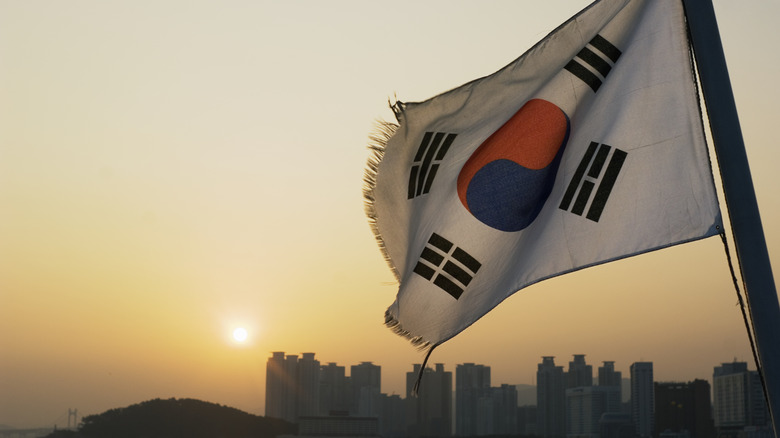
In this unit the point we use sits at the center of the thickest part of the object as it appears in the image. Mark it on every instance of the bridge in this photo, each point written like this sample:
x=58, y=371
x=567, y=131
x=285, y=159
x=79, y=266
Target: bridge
x=42, y=431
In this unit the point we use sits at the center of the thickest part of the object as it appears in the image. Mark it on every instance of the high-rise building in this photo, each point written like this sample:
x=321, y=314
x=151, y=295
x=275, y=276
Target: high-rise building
x=499, y=410
x=366, y=381
x=333, y=389
x=277, y=387
x=616, y=425
x=642, y=399
x=579, y=373
x=681, y=407
x=292, y=386
x=472, y=382
x=526, y=420
x=308, y=381
x=550, y=399
x=608, y=376
x=585, y=405
x=393, y=418
x=429, y=412
x=738, y=398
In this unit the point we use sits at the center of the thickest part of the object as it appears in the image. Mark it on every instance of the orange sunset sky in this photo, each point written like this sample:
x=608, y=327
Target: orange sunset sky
x=170, y=171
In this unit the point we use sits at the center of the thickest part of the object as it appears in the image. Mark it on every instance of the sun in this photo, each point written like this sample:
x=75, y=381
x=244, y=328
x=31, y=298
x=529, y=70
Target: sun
x=240, y=334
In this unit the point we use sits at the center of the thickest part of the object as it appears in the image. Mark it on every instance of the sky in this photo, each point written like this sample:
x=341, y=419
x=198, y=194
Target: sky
x=170, y=171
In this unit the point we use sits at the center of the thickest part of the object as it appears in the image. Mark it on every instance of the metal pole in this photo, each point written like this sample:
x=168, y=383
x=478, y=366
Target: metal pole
x=740, y=195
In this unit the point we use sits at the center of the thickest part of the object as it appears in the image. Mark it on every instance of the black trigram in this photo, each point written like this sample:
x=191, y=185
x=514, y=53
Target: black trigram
x=593, y=162
x=597, y=54
x=432, y=150
x=448, y=266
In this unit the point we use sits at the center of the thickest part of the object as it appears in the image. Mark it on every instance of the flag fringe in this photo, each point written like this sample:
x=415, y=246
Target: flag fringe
x=377, y=141
x=417, y=341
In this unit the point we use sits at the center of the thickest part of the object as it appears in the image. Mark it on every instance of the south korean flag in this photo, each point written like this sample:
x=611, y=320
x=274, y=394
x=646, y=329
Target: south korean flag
x=586, y=149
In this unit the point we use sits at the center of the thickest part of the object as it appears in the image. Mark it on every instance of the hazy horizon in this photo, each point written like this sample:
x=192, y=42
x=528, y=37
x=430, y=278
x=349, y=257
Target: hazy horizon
x=172, y=171
x=523, y=398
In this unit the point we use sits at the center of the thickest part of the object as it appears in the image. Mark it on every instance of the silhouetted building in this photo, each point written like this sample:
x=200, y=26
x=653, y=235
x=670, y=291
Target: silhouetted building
x=275, y=385
x=681, y=407
x=642, y=400
x=738, y=398
x=550, y=399
x=393, y=417
x=280, y=387
x=429, y=413
x=579, y=373
x=366, y=380
x=497, y=412
x=333, y=389
x=584, y=407
x=608, y=376
x=526, y=420
x=308, y=380
x=292, y=386
x=291, y=380
x=472, y=382
x=616, y=425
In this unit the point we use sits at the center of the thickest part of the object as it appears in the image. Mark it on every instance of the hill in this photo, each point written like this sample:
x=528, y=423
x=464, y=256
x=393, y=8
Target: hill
x=174, y=418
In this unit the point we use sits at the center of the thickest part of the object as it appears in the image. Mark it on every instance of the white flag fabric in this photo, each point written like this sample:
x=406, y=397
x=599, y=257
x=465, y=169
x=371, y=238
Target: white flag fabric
x=586, y=149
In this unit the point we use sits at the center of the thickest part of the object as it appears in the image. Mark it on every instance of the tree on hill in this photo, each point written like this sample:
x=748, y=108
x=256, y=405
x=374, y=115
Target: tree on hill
x=175, y=418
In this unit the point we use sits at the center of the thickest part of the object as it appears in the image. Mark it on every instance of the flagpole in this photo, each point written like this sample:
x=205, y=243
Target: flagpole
x=739, y=193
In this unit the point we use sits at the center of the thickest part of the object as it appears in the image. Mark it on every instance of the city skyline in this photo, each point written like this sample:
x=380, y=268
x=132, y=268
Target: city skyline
x=571, y=401
x=599, y=378
x=604, y=373
x=171, y=172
